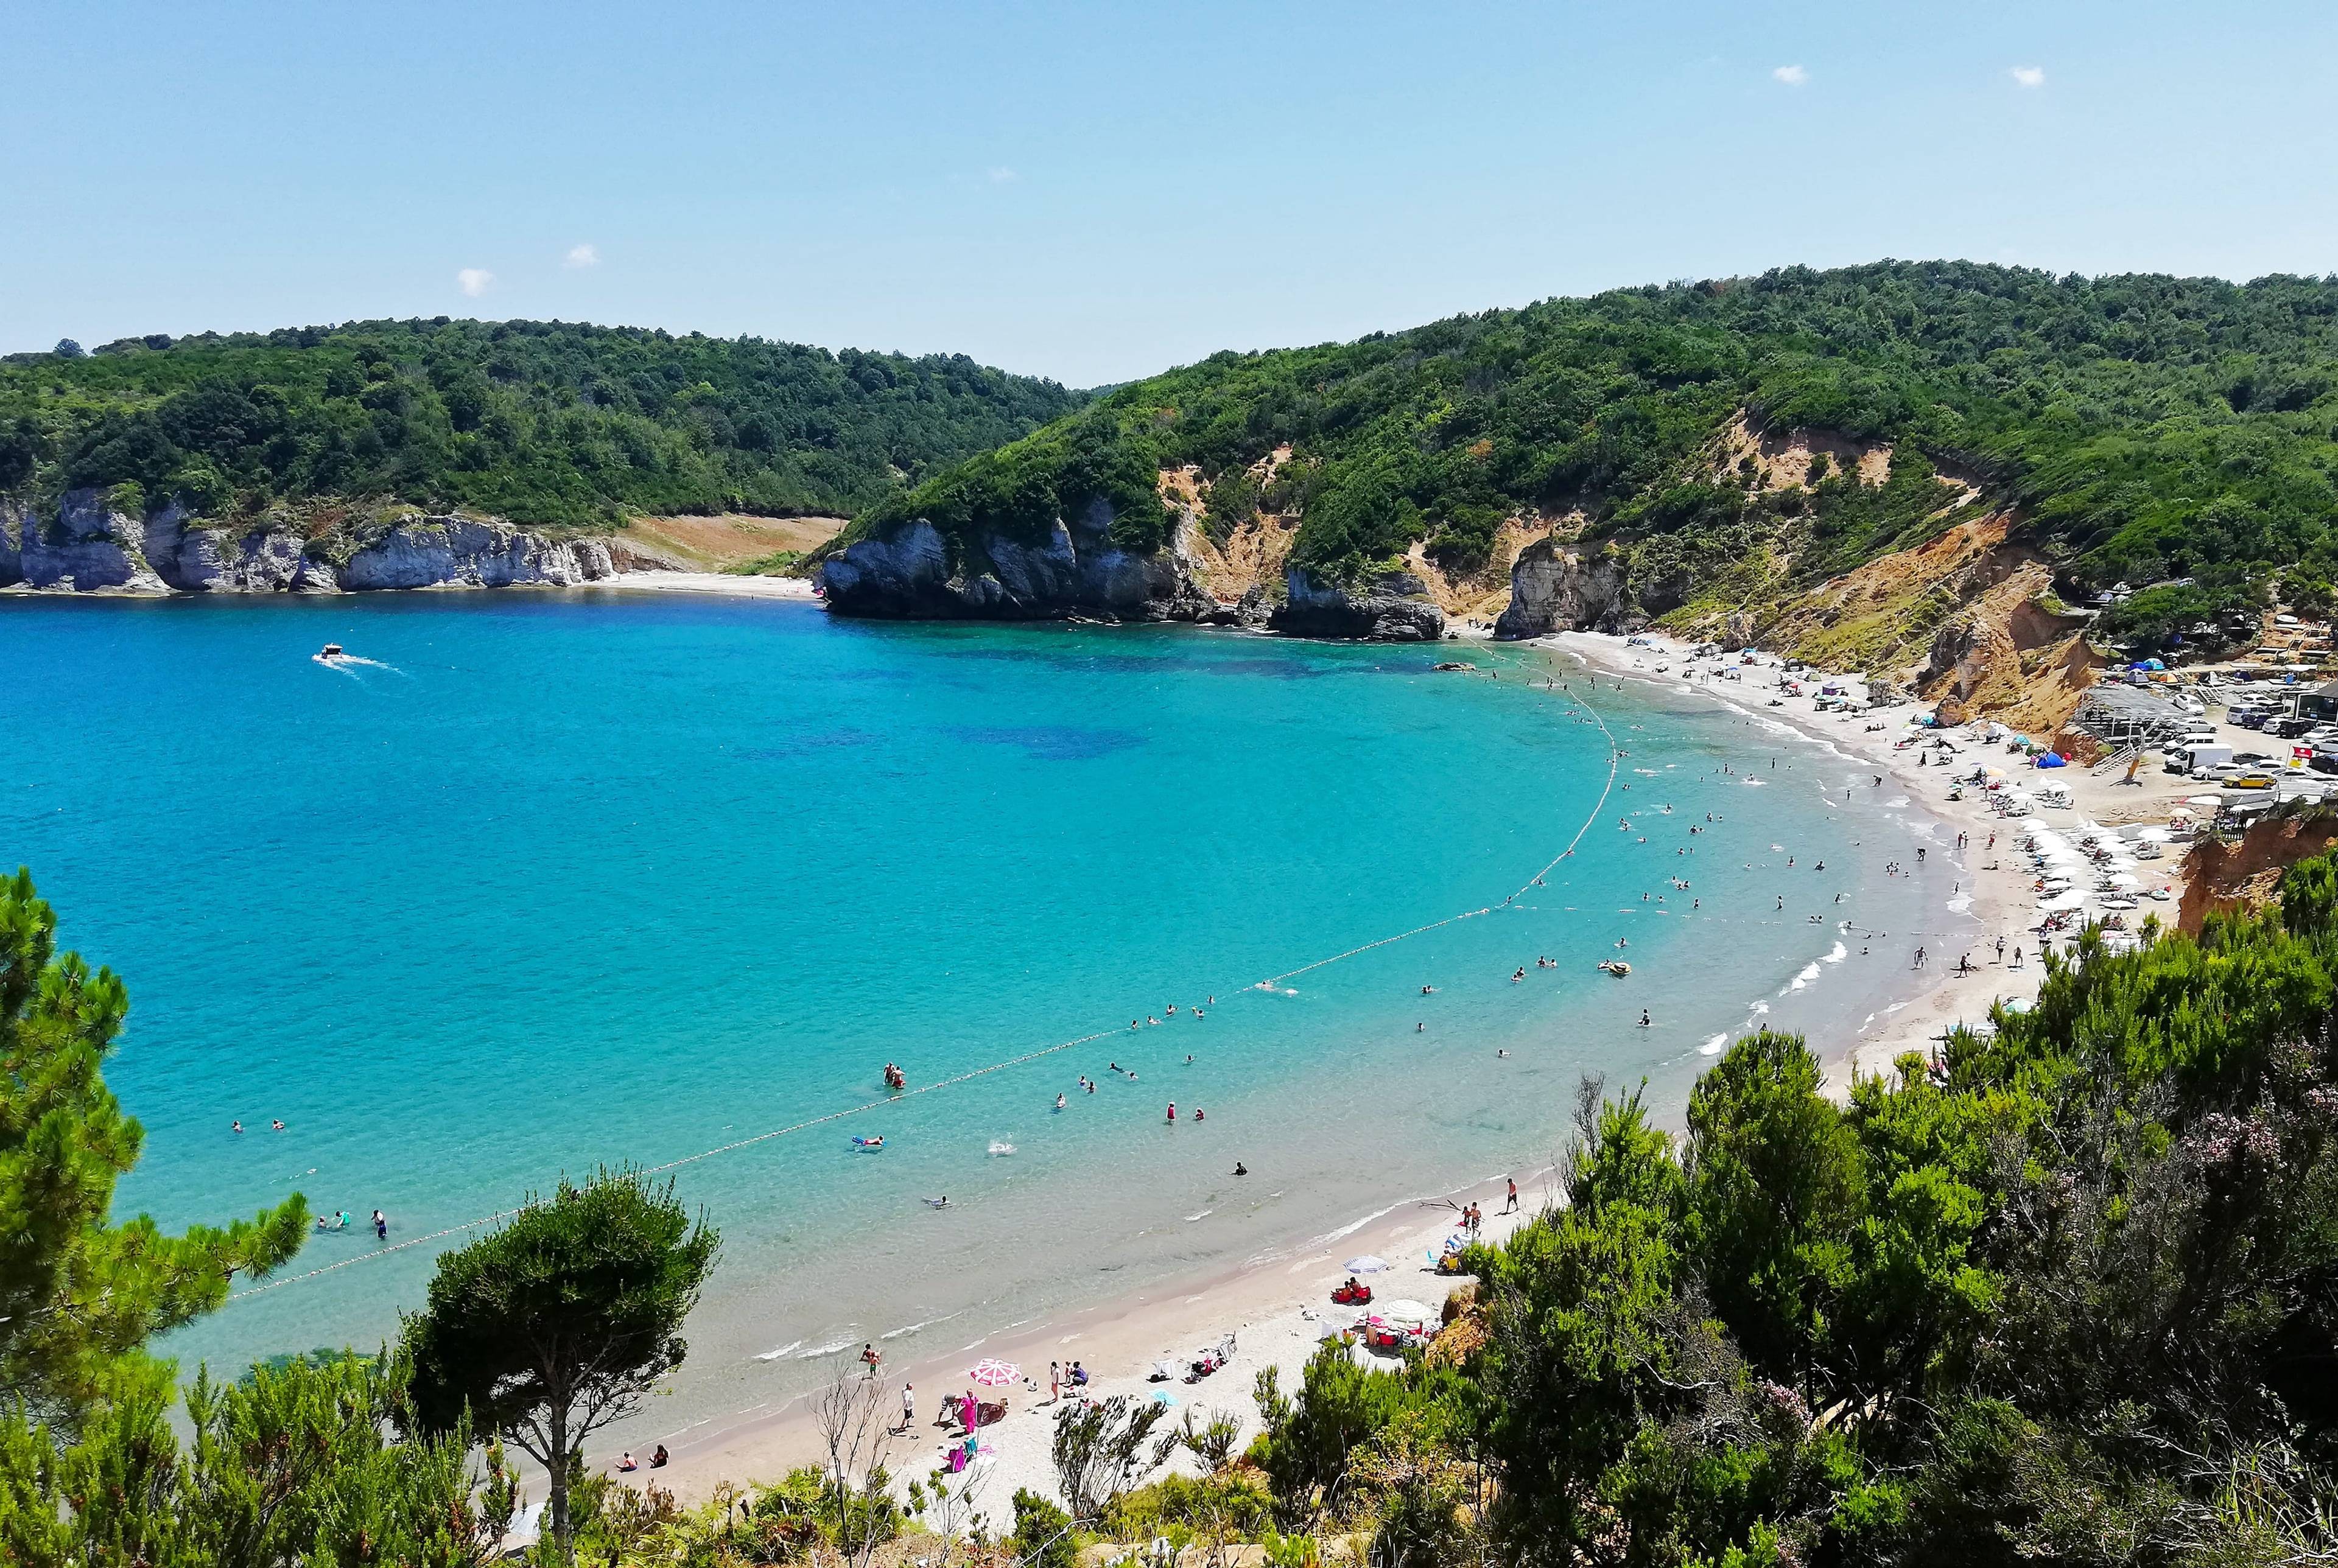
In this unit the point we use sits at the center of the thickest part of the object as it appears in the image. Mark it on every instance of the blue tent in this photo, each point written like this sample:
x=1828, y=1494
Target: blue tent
x=2052, y=759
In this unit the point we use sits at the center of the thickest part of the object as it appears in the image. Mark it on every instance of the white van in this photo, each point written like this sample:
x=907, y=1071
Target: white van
x=2198, y=759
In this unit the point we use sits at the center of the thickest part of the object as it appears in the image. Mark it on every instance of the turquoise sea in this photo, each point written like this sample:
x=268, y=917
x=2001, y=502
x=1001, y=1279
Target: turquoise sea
x=560, y=879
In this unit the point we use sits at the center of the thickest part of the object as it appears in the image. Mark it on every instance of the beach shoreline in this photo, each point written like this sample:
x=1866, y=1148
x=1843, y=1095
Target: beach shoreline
x=733, y=584
x=1277, y=1305
x=2004, y=900
x=1276, y=1308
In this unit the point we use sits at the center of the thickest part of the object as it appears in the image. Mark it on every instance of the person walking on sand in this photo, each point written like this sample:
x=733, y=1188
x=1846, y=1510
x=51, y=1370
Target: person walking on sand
x=1054, y=1381
x=1510, y=1204
x=908, y=1407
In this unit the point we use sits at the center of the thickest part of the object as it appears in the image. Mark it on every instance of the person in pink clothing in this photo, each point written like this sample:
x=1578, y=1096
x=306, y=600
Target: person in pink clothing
x=1173, y=1110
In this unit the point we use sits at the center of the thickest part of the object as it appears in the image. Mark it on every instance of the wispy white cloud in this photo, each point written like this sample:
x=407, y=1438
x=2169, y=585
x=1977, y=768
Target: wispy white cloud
x=586, y=255
x=1791, y=75
x=2031, y=75
x=1000, y=175
x=475, y=281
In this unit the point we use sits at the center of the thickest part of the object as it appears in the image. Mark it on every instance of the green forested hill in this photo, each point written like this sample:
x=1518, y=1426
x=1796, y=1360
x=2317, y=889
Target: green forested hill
x=540, y=421
x=2150, y=427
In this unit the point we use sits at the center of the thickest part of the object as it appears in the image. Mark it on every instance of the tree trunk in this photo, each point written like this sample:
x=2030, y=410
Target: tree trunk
x=555, y=1501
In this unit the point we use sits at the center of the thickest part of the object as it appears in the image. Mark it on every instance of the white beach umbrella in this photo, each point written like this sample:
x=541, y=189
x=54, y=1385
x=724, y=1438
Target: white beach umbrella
x=992, y=1373
x=1405, y=1311
x=1365, y=1264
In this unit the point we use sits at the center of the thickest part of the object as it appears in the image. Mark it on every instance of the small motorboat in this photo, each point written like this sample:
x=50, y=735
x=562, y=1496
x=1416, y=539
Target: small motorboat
x=331, y=651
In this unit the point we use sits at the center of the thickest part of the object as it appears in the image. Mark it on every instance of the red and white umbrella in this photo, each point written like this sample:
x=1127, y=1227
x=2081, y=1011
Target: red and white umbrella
x=992, y=1373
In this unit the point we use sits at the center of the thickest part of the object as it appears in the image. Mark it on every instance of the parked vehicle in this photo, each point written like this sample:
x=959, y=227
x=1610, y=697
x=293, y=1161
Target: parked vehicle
x=2198, y=760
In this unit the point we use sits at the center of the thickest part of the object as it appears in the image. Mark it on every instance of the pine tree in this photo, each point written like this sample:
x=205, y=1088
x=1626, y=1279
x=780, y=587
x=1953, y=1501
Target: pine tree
x=79, y=1295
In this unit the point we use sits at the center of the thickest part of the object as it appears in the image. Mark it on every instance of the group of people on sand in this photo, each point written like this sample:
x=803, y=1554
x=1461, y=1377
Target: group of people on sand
x=627, y=1464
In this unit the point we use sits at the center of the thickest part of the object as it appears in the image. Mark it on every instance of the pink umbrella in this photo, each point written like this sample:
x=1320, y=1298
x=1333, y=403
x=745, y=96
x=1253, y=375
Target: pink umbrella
x=992, y=1373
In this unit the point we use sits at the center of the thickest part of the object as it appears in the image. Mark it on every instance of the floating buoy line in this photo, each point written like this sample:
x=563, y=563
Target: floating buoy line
x=895, y=1098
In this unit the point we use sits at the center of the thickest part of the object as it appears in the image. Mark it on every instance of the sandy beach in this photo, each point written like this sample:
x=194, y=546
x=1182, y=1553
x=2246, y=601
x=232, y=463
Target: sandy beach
x=1999, y=889
x=1277, y=1310
x=735, y=584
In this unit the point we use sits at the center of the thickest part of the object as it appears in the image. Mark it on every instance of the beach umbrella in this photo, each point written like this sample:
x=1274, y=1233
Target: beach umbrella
x=992, y=1373
x=1405, y=1312
x=1365, y=1264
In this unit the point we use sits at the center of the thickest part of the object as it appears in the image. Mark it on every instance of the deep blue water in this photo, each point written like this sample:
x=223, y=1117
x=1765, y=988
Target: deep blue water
x=564, y=879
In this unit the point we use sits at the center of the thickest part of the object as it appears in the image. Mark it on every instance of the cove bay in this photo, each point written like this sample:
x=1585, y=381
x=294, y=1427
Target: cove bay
x=557, y=880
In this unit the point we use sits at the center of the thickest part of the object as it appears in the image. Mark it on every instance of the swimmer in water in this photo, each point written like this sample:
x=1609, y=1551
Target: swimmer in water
x=1240, y=1168
x=235, y=1126
x=1644, y=1019
x=1428, y=990
x=1519, y=975
x=1059, y=1101
x=1501, y=1056
x=940, y=1202
x=274, y=1125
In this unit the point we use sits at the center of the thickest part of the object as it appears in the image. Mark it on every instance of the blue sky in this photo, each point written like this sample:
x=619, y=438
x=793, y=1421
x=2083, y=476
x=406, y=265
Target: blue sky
x=1097, y=191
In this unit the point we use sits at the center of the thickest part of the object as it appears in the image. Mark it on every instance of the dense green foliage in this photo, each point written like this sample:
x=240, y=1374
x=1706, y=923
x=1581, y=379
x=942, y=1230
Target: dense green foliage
x=2069, y=1294
x=2152, y=427
x=79, y=1294
x=296, y=1467
x=540, y=422
x=560, y=1320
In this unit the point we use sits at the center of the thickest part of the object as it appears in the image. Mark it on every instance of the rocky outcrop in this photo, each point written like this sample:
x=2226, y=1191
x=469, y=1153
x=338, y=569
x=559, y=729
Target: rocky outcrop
x=1558, y=587
x=1390, y=609
x=472, y=552
x=86, y=547
x=89, y=547
x=1075, y=571
x=2243, y=872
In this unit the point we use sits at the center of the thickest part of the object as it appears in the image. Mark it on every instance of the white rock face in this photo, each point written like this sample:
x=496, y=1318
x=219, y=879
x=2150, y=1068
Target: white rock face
x=466, y=552
x=1075, y=570
x=89, y=548
x=86, y=547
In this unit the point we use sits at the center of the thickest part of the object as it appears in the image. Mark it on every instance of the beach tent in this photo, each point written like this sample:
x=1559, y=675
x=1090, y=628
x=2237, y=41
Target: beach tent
x=2053, y=759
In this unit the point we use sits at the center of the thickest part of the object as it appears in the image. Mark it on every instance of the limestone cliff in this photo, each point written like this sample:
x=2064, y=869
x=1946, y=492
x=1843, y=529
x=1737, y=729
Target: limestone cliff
x=1393, y=608
x=87, y=546
x=1076, y=571
x=1558, y=587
